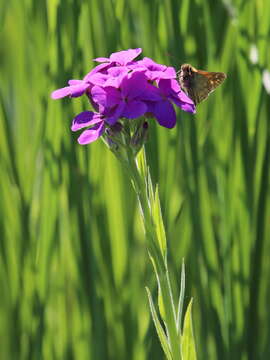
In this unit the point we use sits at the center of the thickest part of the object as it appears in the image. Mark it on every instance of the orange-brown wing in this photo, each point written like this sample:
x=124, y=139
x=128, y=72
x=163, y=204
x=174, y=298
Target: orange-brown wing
x=193, y=94
x=204, y=83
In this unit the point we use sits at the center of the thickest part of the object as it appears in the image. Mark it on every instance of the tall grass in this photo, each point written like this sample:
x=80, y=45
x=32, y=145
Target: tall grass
x=73, y=263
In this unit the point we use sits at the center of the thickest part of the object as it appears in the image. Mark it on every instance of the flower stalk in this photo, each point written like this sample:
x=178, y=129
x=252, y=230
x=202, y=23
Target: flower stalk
x=143, y=187
x=174, y=342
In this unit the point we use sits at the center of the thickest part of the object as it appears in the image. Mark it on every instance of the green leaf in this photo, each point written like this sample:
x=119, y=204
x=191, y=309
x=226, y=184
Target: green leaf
x=161, y=303
x=160, y=299
x=150, y=189
x=161, y=334
x=188, y=341
x=157, y=215
x=181, y=299
x=141, y=162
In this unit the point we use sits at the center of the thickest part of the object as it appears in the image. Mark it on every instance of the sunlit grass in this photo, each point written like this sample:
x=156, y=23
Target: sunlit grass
x=73, y=265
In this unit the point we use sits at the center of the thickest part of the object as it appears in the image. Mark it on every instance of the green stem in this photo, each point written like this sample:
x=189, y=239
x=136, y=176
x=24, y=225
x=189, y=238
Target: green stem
x=160, y=263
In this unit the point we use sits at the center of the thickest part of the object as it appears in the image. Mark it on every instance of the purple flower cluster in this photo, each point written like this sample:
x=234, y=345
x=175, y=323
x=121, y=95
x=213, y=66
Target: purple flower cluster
x=121, y=87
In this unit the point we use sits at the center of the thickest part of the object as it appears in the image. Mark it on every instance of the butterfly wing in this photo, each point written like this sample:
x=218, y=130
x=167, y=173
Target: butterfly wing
x=204, y=83
x=193, y=94
x=198, y=84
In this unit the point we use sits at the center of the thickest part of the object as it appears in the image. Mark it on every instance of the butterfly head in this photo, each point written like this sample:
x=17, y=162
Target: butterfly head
x=187, y=75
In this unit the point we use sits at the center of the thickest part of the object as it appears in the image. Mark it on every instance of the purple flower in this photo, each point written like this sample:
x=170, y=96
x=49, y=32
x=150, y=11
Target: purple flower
x=163, y=110
x=128, y=100
x=121, y=57
x=122, y=89
x=85, y=119
x=76, y=88
x=153, y=70
x=96, y=122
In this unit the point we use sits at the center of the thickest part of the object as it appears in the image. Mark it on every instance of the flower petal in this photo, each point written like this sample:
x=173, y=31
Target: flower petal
x=99, y=95
x=169, y=73
x=78, y=90
x=105, y=96
x=101, y=59
x=114, y=114
x=74, y=82
x=117, y=71
x=166, y=86
x=152, y=65
x=134, y=109
x=98, y=79
x=73, y=91
x=172, y=90
x=156, y=71
x=113, y=96
x=188, y=107
x=85, y=118
x=125, y=56
x=151, y=93
x=184, y=102
x=90, y=135
x=155, y=75
x=60, y=93
x=134, y=84
x=175, y=86
x=164, y=112
x=117, y=74
x=184, y=98
x=101, y=68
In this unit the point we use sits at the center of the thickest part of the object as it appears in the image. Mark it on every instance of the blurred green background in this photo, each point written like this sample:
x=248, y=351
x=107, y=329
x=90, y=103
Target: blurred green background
x=73, y=262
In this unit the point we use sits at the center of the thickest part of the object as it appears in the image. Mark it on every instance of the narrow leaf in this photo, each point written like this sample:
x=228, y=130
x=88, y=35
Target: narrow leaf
x=150, y=189
x=161, y=235
x=161, y=304
x=188, y=341
x=160, y=299
x=161, y=334
x=181, y=298
x=141, y=162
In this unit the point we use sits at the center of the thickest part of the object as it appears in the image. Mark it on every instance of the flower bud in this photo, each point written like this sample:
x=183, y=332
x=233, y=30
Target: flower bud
x=112, y=136
x=139, y=137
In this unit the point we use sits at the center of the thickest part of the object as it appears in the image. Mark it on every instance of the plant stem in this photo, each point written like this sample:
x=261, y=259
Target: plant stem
x=159, y=260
